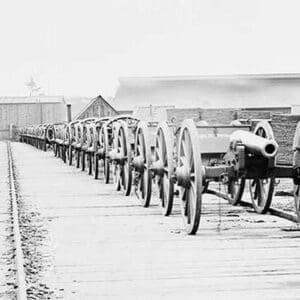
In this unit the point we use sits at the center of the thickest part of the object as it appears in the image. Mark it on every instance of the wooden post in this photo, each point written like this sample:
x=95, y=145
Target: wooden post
x=12, y=132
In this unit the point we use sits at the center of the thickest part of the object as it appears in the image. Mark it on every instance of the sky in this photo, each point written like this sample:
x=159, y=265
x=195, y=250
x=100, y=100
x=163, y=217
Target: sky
x=81, y=48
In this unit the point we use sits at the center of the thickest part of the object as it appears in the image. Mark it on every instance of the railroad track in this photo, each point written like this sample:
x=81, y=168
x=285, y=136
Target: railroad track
x=21, y=291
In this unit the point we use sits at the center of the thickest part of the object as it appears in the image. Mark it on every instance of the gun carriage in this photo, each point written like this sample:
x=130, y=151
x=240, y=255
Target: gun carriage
x=153, y=163
x=92, y=146
x=71, y=135
x=58, y=141
x=155, y=158
x=139, y=151
x=78, y=140
x=231, y=156
x=84, y=127
x=95, y=148
x=116, y=142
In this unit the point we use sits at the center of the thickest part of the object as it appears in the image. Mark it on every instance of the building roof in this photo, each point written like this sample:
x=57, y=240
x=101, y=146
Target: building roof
x=31, y=99
x=89, y=104
x=213, y=91
x=210, y=77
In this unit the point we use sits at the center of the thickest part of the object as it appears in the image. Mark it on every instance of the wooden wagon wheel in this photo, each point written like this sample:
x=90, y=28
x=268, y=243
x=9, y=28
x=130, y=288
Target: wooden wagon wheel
x=77, y=149
x=104, y=145
x=143, y=177
x=89, y=163
x=66, y=145
x=70, y=155
x=296, y=163
x=77, y=152
x=164, y=159
x=261, y=190
x=90, y=152
x=96, y=166
x=124, y=148
x=63, y=153
x=83, y=157
x=189, y=175
x=96, y=156
x=297, y=200
x=116, y=168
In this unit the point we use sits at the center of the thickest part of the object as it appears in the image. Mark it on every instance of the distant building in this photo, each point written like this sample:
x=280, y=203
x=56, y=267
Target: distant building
x=296, y=108
x=33, y=110
x=152, y=113
x=97, y=107
x=228, y=91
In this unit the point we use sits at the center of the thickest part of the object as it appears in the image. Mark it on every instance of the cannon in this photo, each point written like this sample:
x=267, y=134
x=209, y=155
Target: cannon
x=78, y=140
x=231, y=156
x=121, y=152
x=58, y=141
x=164, y=161
x=152, y=162
x=116, y=140
x=84, y=142
x=93, y=146
x=71, y=141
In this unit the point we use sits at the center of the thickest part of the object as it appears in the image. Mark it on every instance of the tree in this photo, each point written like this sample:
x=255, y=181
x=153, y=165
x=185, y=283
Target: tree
x=32, y=86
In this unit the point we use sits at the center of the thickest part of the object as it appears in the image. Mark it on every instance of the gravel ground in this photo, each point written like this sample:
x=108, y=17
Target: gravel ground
x=34, y=235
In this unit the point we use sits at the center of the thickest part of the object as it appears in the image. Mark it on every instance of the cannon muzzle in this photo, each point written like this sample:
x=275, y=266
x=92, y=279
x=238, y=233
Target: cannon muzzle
x=255, y=144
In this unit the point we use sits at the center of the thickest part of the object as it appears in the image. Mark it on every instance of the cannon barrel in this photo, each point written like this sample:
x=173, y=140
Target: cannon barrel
x=255, y=144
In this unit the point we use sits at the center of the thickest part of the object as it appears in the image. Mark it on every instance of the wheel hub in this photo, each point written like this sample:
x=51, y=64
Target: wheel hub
x=183, y=175
x=138, y=163
x=158, y=168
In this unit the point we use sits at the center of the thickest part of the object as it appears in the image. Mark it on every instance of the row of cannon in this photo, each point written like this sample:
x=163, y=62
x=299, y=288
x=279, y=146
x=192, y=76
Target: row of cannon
x=179, y=160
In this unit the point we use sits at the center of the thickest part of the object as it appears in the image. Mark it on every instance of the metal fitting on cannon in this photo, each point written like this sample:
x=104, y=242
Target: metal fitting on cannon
x=158, y=168
x=183, y=175
x=138, y=163
x=116, y=156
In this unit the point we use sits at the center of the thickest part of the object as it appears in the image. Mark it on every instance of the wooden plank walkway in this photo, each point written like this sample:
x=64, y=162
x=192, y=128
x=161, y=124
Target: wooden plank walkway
x=98, y=244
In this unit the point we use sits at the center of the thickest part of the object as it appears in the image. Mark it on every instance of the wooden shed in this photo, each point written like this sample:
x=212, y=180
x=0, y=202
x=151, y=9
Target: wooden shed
x=33, y=110
x=98, y=107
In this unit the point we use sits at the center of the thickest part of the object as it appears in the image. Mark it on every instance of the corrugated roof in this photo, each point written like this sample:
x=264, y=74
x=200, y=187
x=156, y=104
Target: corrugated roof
x=209, y=77
x=213, y=91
